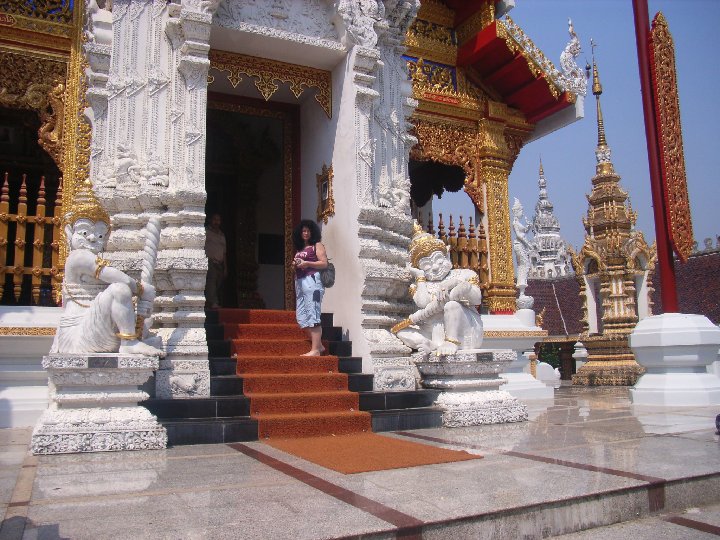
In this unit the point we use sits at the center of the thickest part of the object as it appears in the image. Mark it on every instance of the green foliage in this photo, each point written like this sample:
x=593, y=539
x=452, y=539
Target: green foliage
x=550, y=354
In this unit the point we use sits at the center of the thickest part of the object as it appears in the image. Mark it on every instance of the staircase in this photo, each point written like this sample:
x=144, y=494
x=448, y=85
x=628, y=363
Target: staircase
x=262, y=387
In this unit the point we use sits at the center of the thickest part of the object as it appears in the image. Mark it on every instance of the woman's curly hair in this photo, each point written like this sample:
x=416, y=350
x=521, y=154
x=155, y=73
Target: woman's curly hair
x=315, y=235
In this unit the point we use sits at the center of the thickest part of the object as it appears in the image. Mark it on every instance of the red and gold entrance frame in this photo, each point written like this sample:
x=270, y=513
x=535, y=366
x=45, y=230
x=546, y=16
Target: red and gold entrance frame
x=290, y=118
x=669, y=132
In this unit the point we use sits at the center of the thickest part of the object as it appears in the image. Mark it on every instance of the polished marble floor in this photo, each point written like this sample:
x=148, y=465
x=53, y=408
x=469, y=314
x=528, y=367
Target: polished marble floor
x=587, y=465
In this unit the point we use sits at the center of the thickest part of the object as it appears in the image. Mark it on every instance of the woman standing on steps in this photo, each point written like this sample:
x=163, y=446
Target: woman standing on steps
x=310, y=258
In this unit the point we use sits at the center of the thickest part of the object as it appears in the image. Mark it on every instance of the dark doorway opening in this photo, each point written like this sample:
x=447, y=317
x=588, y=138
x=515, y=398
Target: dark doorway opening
x=248, y=179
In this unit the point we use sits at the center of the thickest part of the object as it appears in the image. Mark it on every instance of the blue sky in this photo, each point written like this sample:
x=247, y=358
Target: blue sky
x=568, y=154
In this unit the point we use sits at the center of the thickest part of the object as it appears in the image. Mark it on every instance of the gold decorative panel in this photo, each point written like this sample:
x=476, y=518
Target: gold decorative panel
x=326, y=200
x=267, y=75
x=431, y=41
x=57, y=11
x=27, y=77
x=669, y=130
x=444, y=141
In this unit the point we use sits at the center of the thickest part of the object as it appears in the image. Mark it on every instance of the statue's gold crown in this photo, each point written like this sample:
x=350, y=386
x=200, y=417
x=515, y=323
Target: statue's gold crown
x=424, y=244
x=85, y=205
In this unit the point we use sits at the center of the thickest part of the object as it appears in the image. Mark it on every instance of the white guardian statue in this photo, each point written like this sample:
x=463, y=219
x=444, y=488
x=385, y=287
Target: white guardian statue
x=447, y=319
x=523, y=250
x=99, y=316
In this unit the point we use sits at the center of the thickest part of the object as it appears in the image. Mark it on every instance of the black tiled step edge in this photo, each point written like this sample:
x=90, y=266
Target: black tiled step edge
x=226, y=385
x=385, y=400
x=402, y=419
x=360, y=382
x=228, y=366
x=182, y=431
x=223, y=366
x=350, y=364
x=212, y=407
x=221, y=348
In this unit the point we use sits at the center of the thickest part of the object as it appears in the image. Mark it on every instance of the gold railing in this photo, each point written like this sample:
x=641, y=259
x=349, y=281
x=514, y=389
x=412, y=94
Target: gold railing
x=29, y=245
x=467, y=246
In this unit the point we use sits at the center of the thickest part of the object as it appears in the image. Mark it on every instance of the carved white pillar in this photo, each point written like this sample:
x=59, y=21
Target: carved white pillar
x=383, y=105
x=151, y=161
x=98, y=50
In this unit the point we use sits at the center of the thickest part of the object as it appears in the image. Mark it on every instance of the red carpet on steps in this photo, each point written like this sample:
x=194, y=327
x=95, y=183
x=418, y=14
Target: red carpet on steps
x=302, y=404
x=290, y=395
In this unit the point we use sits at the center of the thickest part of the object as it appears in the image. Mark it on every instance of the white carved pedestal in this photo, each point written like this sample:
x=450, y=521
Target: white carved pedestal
x=470, y=388
x=675, y=350
x=94, y=405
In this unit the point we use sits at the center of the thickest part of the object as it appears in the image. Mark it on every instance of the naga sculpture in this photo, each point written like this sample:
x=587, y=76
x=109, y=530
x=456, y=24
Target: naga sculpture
x=447, y=319
x=99, y=316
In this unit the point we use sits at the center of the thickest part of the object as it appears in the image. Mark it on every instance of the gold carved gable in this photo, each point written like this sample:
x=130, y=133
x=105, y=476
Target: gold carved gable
x=268, y=74
x=445, y=142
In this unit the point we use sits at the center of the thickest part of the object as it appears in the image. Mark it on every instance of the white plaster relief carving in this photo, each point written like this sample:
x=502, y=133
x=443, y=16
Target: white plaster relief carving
x=376, y=31
x=306, y=21
x=478, y=408
x=394, y=378
x=358, y=21
x=156, y=95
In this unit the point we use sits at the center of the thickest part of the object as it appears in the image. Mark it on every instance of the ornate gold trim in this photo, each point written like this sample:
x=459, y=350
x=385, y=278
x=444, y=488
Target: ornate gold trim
x=27, y=77
x=77, y=132
x=288, y=128
x=481, y=19
x=452, y=143
x=268, y=73
x=515, y=333
x=436, y=12
x=669, y=129
x=26, y=331
x=326, y=200
x=442, y=89
x=55, y=12
x=432, y=41
x=50, y=132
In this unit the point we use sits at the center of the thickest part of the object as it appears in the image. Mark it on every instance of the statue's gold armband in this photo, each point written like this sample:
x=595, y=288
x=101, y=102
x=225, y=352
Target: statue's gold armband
x=100, y=263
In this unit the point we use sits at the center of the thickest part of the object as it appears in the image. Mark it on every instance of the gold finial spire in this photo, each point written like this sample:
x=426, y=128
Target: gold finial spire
x=597, y=92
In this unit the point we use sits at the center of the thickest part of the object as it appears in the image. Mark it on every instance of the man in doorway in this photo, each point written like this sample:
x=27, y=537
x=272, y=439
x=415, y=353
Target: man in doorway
x=216, y=251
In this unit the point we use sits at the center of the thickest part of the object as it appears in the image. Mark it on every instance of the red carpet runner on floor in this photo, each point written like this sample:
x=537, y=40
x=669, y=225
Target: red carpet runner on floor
x=303, y=405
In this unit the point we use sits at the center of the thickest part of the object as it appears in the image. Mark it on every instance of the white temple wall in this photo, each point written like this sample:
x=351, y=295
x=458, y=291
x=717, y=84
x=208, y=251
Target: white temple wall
x=332, y=141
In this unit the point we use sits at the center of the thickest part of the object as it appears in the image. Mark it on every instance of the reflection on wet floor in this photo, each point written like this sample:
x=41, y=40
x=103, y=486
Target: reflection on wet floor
x=586, y=458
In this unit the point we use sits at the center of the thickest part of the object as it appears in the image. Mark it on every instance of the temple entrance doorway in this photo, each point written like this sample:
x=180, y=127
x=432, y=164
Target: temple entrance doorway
x=250, y=173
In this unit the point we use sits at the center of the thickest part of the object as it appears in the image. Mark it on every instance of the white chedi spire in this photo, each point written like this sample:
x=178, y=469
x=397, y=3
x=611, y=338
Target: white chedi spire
x=551, y=257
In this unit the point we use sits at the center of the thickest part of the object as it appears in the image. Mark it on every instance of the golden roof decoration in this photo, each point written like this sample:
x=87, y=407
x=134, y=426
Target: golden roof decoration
x=424, y=244
x=86, y=206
